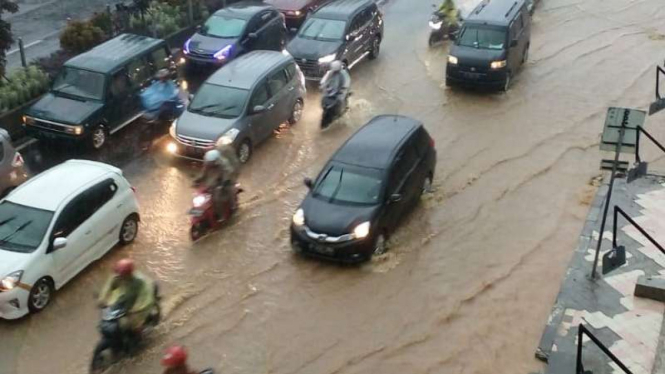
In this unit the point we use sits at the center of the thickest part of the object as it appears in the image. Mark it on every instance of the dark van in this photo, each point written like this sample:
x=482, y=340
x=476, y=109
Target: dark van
x=97, y=93
x=344, y=30
x=492, y=45
x=363, y=192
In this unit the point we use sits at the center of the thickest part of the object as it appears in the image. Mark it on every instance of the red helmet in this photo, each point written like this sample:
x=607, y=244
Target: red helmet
x=124, y=267
x=175, y=356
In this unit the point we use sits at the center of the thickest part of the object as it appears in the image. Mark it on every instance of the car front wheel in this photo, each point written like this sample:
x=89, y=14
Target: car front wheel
x=296, y=112
x=40, y=295
x=380, y=245
x=376, y=48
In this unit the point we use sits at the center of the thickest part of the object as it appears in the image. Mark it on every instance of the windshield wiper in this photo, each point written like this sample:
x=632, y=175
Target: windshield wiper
x=339, y=186
x=18, y=229
x=199, y=109
x=3, y=222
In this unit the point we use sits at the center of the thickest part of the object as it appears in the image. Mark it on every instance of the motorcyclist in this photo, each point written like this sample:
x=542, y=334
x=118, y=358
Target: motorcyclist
x=159, y=98
x=135, y=290
x=450, y=12
x=338, y=79
x=175, y=361
x=231, y=168
x=212, y=177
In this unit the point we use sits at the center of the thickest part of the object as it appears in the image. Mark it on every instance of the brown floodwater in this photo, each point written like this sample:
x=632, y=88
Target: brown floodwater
x=471, y=276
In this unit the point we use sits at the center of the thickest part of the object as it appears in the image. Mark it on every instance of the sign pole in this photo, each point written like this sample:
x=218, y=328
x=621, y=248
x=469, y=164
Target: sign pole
x=622, y=131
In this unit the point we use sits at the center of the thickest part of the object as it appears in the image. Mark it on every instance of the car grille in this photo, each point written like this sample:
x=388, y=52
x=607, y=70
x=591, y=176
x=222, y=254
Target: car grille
x=201, y=54
x=50, y=126
x=311, y=68
x=194, y=142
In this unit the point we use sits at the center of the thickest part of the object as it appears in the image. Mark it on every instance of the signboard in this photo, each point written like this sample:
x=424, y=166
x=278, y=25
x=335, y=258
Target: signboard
x=614, y=259
x=630, y=119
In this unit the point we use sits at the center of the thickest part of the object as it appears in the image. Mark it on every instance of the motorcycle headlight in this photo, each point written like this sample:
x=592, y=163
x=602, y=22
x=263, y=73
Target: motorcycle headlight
x=228, y=137
x=452, y=60
x=11, y=280
x=435, y=25
x=498, y=64
x=299, y=217
x=361, y=231
x=200, y=200
x=327, y=59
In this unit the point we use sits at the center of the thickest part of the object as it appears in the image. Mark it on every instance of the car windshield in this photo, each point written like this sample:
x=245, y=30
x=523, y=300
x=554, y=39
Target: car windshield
x=22, y=228
x=323, y=29
x=219, y=101
x=80, y=83
x=482, y=38
x=349, y=185
x=223, y=27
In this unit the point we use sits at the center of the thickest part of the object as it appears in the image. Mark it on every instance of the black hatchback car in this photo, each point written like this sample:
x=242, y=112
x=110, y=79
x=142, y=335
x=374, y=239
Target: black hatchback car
x=239, y=28
x=344, y=30
x=362, y=193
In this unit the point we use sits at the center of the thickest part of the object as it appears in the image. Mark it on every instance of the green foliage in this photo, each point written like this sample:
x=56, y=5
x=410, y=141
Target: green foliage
x=6, y=36
x=80, y=36
x=163, y=18
x=21, y=86
x=103, y=21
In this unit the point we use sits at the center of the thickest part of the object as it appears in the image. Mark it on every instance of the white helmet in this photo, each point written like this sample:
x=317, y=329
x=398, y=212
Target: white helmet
x=211, y=156
x=336, y=65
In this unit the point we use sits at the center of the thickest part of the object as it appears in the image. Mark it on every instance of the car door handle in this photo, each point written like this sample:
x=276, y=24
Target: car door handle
x=119, y=206
x=271, y=106
x=291, y=88
x=88, y=232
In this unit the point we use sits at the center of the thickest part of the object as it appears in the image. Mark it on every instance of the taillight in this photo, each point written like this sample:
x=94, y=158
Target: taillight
x=18, y=160
x=431, y=142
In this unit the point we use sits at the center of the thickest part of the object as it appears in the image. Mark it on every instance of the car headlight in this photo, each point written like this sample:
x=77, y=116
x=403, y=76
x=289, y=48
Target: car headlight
x=199, y=200
x=299, y=217
x=452, y=60
x=172, y=129
x=297, y=13
x=11, y=281
x=228, y=137
x=28, y=120
x=223, y=53
x=361, y=231
x=435, y=25
x=327, y=59
x=498, y=64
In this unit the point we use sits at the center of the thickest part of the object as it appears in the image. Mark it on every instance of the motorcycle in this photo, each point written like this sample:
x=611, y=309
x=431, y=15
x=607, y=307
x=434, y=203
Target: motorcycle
x=203, y=216
x=116, y=342
x=332, y=107
x=160, y=104
x=441, y=29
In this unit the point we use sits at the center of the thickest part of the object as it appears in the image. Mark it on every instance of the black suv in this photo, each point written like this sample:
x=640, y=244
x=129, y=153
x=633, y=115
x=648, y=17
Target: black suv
x=239, y=28
x=492, y=45
x=97, y=93
x=363, y=192
x=345, y=30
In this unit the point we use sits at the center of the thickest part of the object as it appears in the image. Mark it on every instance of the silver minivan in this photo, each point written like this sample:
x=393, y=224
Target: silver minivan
x=241, y=104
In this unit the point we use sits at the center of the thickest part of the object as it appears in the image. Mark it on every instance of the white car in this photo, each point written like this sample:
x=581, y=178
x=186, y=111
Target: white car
x=55, y=225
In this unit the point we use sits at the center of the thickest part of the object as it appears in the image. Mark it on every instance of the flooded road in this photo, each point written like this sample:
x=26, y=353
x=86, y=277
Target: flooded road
x=470, y=278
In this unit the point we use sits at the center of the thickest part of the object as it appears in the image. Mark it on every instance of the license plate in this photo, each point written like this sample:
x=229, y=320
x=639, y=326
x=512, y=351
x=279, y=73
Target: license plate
x=195, y=212
x=472, y=75
x=323, y=249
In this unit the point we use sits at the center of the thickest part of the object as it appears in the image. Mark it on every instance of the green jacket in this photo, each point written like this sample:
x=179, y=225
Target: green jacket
x=137, y=292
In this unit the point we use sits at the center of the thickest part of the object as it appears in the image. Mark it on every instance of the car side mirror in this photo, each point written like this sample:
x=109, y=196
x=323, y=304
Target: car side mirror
x=308, y=182
x=258, y=109
x=59, y=243
x=252, y=35
x=350, y=37
x=513, y=43
x=395, y=198
x=198, y=27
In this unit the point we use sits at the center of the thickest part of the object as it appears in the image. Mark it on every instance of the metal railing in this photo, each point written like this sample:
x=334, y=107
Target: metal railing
x=579, y=367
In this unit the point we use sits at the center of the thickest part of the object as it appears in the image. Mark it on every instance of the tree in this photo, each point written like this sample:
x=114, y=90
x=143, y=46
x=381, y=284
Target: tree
x=6, y=36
